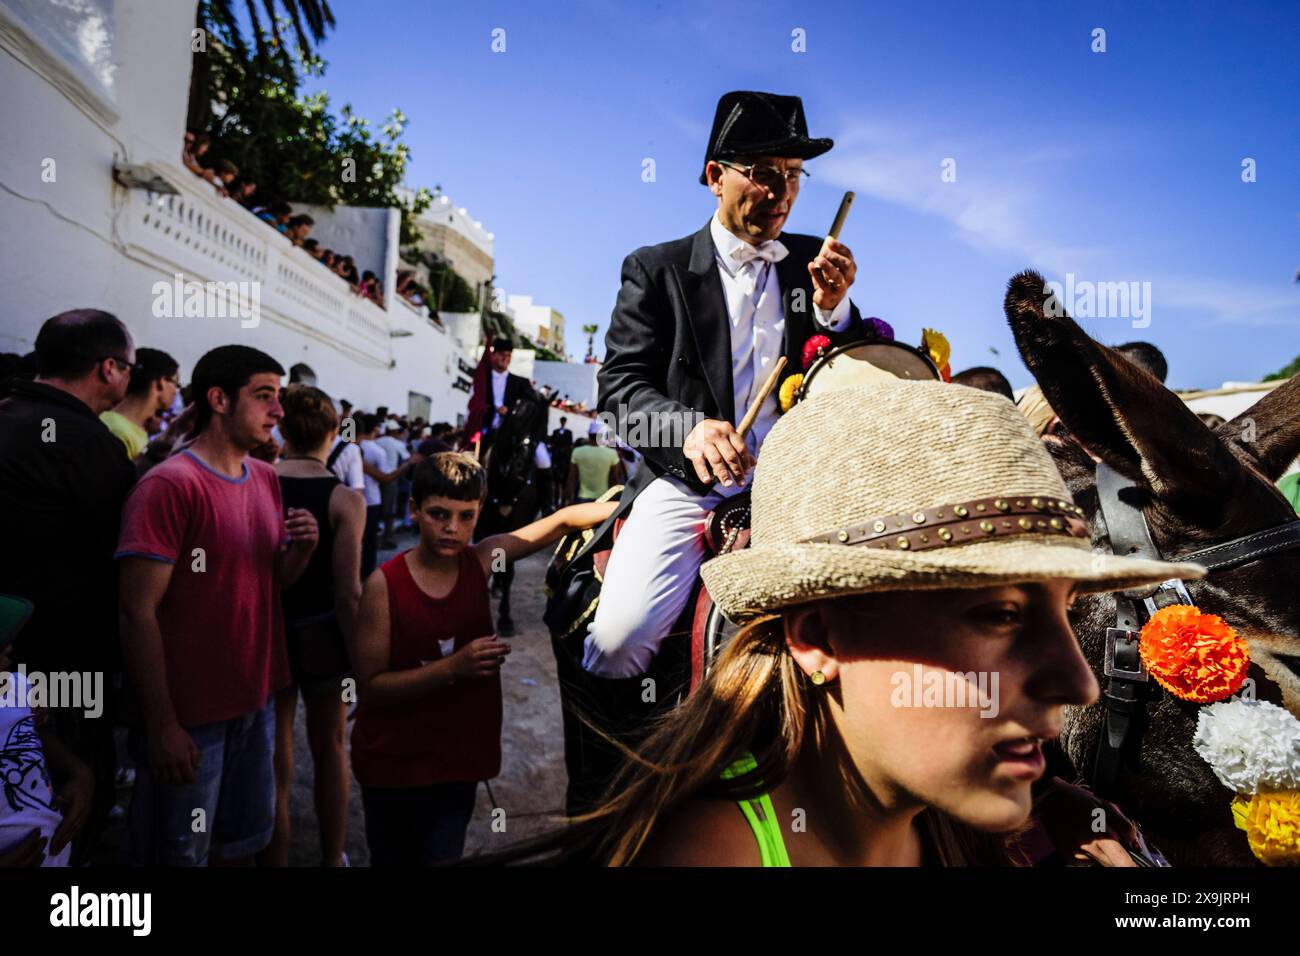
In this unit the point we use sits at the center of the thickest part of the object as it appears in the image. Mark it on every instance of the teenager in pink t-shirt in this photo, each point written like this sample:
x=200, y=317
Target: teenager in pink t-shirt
x=204, y=550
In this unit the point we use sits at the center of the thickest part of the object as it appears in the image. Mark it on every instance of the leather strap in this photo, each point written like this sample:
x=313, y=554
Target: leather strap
x=1251, y=547
x=948, y=525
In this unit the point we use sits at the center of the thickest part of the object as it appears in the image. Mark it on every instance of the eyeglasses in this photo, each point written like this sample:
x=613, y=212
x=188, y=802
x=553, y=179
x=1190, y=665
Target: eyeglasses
x=769, y=177
x=129, y=366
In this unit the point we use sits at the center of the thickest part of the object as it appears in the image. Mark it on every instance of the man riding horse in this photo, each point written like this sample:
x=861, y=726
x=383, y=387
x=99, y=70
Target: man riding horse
x=699, y=324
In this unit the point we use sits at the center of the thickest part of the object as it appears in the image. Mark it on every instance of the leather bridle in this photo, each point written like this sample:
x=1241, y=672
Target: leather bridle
x=1128, y=686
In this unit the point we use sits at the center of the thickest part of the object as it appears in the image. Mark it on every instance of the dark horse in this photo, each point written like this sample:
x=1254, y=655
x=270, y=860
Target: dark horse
x=1199, y=487
x=512, y=495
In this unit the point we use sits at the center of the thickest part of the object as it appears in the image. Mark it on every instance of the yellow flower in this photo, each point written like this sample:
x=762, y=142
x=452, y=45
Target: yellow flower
x=937, y=346
x=785, y=397
x=1272, y=825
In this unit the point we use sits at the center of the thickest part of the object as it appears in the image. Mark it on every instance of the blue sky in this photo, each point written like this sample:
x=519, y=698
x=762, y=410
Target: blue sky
x=1122, y=166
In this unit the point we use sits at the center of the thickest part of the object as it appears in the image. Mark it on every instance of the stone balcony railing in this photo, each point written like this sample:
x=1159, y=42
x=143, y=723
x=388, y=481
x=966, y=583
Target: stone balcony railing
x=207, y=238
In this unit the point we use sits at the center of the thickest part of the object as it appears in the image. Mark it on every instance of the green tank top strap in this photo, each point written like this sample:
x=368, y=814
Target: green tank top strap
x=761, y=817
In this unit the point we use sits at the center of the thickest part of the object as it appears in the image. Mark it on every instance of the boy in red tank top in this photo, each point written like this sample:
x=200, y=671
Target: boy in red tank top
x=427, y=666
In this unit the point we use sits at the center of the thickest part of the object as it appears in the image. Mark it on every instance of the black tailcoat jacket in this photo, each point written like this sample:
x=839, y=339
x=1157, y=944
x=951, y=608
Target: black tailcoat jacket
x=668, y=349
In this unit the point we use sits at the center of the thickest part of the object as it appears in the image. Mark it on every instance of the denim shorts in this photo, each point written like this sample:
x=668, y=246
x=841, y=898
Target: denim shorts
x=234, y=786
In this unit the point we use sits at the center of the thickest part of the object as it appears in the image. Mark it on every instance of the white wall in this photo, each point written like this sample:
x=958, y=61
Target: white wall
x=79, y=240
x=355, y=231
x=576, y=379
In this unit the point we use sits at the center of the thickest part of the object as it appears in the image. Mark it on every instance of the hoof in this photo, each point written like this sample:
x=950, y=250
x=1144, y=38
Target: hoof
x=506, y=627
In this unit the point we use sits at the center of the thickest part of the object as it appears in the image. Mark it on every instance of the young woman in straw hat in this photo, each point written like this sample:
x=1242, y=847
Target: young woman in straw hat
x=906, y=647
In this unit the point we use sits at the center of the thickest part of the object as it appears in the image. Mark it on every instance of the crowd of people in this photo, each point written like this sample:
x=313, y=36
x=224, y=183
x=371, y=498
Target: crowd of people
x=225, y=178
x=233, y=549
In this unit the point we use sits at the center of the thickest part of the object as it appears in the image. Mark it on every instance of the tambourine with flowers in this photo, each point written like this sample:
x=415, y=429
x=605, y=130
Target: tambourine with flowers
x=819, y=351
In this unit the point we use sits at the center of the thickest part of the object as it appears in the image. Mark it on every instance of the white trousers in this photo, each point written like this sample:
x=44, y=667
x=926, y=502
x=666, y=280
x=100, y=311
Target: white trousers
x=649, y=576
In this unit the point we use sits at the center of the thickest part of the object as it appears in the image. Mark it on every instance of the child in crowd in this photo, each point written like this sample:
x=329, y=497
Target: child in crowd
x=37, y=823
x=427, y=665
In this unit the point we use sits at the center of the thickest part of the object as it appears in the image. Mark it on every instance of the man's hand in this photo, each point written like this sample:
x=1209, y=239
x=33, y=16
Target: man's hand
x=833, y=271
x=73, y=801
x=173, y=755
x=502, y=411
x=716, y=450
x=302, y=528
x=482, y=657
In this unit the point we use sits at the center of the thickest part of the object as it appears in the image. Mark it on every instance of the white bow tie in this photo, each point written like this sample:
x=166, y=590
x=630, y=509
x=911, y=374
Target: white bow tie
x=773, y=251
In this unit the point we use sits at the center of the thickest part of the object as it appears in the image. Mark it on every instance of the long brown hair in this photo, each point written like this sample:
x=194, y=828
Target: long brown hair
x=756, y=699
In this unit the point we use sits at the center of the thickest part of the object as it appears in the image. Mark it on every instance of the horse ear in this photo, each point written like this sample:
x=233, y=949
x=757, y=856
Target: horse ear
x=1269, y=431
x=1118, y=411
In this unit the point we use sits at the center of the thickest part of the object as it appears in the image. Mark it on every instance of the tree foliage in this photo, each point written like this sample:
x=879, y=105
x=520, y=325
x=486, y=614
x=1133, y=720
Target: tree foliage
x=292, y=144
x=1287, y=371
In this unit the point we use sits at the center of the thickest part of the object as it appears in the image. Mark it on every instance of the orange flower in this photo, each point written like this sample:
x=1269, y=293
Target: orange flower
x=1194, y=656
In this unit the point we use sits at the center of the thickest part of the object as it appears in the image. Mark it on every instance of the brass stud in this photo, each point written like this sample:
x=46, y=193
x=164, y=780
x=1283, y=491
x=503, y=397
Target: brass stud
x=903, y=542
x=945, y=534
x=1001, y=504
x=1063, y=505
x=925, y=539
x=1006, y=524
x=1025, y=523
x=965, y=529
x=986, y=527
x=939, y=513
x=879, y=526
x=1036, y=502
x=980, y=506
x=1057, y=524
x=1020, y=502
x=1040, y=523
x=960, y=511
x=919, y=517
x=843, y=536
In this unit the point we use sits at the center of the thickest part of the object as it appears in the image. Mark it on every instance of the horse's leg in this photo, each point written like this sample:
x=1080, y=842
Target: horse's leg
x=505, y=624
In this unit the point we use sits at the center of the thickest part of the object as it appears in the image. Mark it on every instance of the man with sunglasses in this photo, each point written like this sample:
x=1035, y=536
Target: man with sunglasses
x=63, y=480
x=151, y=391
x=698, y=326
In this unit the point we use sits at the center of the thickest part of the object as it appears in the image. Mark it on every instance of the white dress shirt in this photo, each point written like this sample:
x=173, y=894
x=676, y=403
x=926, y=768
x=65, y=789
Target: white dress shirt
x=757, y=321
x=498, y=394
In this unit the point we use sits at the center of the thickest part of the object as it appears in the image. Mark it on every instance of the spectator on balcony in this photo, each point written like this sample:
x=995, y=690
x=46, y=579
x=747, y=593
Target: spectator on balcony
x=227, y=172
x=277, y=215
x=369, y=288
x=63, y=478
x=242, y=192
x=312, y=248
x=299, y=227
x=206, y=546
x=152, y=390
x=196, y=146
x=349, y=273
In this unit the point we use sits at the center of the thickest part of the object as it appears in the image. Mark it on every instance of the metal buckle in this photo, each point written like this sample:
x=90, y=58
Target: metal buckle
x=1109, y=668
x=1173, y=586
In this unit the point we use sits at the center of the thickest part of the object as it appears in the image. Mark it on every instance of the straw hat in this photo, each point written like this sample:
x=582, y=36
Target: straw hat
x=904, y=485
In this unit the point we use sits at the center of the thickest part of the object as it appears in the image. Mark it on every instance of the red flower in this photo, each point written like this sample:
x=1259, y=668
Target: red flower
x=816, y=345
x=1194, y=656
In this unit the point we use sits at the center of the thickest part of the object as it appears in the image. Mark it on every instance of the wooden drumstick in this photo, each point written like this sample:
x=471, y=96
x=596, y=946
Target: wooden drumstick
x=747, y=422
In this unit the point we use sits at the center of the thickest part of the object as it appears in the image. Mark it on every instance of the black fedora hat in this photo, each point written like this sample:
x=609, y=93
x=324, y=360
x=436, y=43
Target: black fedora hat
x=761, y=124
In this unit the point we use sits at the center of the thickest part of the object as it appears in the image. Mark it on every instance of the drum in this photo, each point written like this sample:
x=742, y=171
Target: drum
x=864, y=362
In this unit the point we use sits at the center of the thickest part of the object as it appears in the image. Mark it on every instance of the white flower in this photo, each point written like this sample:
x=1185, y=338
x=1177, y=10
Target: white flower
x=1251, y=745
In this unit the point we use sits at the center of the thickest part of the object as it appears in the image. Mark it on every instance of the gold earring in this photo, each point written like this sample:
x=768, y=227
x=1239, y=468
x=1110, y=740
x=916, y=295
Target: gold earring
x=818, y=678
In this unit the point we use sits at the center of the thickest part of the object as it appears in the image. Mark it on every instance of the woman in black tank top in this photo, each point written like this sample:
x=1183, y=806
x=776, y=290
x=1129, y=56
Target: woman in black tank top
x=319, y=616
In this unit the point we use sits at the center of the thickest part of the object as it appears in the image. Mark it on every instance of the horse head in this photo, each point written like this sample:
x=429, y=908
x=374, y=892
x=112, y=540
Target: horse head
x=512, y=492
x=1199, y=487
